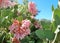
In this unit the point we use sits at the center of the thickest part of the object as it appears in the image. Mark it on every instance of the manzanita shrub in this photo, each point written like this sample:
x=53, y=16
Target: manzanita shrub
x=18, y=24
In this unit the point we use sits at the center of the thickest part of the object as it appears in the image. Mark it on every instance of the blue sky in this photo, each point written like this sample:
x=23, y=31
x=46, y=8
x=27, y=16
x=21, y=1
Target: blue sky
x=44, y=6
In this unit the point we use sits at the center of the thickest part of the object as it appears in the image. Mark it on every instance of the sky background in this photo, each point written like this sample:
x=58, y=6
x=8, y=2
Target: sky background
x=44, y=6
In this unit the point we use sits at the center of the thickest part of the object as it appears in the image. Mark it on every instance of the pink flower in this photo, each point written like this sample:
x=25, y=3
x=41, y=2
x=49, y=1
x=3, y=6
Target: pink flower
x=24, y=29
x=32, y=8
x=26, y=23
x=20, y=30
x=23, y=32
x=0, y=1
x=13, y=4
x=14, y=26
x=15, y=40
x=6, y=3
x=32, y=17
x=37, y=25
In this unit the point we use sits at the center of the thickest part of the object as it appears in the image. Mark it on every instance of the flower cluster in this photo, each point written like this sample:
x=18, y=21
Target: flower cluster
x=32, y=8
x=20, y=30
x=6, y=3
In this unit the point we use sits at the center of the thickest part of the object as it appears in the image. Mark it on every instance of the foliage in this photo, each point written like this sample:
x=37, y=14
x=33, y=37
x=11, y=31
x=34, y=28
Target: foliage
x=12, y=17
x=45, y=24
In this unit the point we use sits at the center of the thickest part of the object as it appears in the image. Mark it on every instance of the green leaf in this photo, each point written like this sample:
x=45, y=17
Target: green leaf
x=20, y=18
x=52, y=8
x=43, y=34
x=49, y=34
x=26, y=40
x=58, y=38
x=5, y=12
x=56, y=17
x=31, y=41
x=40, y=34
x=25, y=2
x=2, y=37
x=53, y=26
x=39, y=41
x=45, y=24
